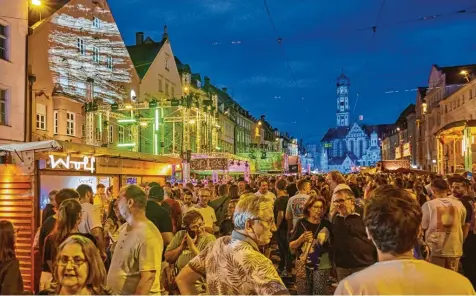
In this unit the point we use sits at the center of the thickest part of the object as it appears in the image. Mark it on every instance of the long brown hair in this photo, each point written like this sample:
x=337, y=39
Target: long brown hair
x=311, y=201
x=7, y=241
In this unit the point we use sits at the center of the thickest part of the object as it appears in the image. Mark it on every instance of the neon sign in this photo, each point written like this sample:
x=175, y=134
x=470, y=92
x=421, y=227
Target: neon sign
x=73, y=165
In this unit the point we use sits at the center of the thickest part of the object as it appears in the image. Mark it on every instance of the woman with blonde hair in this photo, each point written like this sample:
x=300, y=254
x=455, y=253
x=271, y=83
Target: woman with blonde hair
x=311, y=238
x=78, y=269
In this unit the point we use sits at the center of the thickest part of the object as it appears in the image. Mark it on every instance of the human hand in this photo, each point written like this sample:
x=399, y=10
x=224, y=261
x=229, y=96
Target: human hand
x=306, y=237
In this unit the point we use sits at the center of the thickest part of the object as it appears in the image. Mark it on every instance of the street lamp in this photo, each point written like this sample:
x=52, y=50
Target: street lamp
x=36, y=2
x=465, y=74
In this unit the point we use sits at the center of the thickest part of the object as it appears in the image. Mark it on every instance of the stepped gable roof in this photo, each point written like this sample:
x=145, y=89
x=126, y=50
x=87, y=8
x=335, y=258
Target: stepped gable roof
x=453, y=74
x=143, y=55
x=335, y=133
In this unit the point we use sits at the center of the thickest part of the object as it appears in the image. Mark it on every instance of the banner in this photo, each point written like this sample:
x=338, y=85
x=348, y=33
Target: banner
x=407, y=151
x=204, y=164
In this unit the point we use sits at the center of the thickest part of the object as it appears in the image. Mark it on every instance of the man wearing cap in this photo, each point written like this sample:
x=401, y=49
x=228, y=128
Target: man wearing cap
x=353, y=251
x=158, y=215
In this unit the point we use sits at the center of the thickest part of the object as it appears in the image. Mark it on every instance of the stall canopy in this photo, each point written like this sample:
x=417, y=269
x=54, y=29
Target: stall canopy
x=31, y=146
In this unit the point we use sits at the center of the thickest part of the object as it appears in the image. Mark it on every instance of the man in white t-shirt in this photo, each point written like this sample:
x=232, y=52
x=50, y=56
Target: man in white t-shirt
x=208, y=213
x=136, y=262
x=263, y=190
x=91, y=217
x=392, y=220
x=295, y=207
x=443, y=221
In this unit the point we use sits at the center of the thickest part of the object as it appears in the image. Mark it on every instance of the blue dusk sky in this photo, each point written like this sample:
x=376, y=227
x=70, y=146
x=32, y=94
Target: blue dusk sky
x=235, y=43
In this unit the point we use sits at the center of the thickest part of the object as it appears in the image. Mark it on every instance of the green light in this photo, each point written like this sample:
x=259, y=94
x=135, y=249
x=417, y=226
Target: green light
x=126, y=145
x=217, y=148
x=131, y=120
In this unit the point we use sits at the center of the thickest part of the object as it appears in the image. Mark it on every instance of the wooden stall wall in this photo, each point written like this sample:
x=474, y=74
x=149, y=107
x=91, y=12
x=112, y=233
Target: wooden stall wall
x=17, y=204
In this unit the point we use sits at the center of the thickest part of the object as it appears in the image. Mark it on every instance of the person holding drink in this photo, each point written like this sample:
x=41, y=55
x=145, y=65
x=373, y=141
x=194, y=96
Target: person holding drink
x=311, y=238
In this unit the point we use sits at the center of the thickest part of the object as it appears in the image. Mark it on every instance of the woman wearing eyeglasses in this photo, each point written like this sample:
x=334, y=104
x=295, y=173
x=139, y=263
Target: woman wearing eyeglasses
x=78, y=269
x=10, y=278
x=311, y=238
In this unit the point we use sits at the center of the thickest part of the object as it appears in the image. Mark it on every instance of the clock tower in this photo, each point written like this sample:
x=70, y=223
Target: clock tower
x=343, y=114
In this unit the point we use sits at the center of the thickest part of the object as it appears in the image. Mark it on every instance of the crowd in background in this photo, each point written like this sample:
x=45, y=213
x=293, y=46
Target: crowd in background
x=357, y=234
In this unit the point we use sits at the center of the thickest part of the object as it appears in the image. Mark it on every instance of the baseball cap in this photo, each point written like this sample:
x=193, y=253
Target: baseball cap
x=341, y=187
x=156, y=192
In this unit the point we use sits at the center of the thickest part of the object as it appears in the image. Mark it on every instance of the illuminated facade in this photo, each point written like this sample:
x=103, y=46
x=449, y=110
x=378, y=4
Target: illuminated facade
x=78, y=57
x=13, y=32
x=343, y=113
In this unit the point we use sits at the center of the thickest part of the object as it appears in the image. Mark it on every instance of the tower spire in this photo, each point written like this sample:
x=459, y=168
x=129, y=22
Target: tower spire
x=165, y=35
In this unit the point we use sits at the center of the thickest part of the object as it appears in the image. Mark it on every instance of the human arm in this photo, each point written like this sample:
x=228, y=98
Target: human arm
x=99, y=237
x=468, y=215
x=146, y=281
x=175, y=248
x=425, y=221
x=186, y=280
x=299, y=236
x=279, y=218
x=289, y=216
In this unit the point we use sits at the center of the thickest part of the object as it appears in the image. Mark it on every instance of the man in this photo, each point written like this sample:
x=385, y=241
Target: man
x=392, y=221
x=158, y=215
x=292, y=187
x=295, y=206
x=220, y=205
x=285, y=264
x=208, y=213
x=49, y=209
x=460, y=188
x=136, y=262
x=263, y=190
x=176, y=211
x=233, y=265
x=353, y=251
x=443, y=222
x=187, y=201
x=91, y=221
x=100, y=199
x=241, y=187
x=46, y=228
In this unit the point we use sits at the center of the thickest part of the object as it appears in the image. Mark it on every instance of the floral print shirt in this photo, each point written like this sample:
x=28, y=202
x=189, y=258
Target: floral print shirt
x=233, y=265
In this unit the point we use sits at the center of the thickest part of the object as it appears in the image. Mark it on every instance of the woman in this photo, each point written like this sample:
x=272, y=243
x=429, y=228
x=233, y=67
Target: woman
x=111, y=230
x=78, y=269
x=311, y=236
x=11, y=281
x=69, y=217
x=314, y=192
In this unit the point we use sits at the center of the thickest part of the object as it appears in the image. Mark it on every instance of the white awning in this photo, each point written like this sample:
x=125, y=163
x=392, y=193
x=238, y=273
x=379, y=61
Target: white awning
x=31, y=146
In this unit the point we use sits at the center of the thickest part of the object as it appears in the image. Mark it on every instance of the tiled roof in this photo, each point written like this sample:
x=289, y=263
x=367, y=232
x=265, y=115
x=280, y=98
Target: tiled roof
x=335, y=133
x=453, y=74
x=183, y=68
x=143, y=55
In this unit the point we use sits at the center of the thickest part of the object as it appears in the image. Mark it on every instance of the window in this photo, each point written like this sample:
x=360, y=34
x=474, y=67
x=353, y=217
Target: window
x=81, y=47
x=96, y=23
x=166, y=88
x=130, y=135
x=3, y=106
x=166, y=63
x=172, y=90
x=160, y=85
x=3, y=41
x=95, y=54
x=55, y=119
x=109, y=62
x=70, y=123
x=111, y=134
x=120, y=133
x=41, y=116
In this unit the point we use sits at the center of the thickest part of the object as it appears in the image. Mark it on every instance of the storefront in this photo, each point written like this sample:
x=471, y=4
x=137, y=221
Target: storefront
x=216, y=166
x=34, y=169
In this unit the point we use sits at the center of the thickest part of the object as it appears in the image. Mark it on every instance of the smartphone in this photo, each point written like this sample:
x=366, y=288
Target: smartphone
x=469, y=176
x=191, y=233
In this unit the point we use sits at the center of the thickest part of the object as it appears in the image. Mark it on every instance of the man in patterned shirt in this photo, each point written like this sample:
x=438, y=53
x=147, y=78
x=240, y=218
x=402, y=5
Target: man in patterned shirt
x=233, y=265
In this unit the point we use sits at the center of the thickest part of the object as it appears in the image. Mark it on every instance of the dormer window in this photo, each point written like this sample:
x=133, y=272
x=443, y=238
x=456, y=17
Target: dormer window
x=96, y=23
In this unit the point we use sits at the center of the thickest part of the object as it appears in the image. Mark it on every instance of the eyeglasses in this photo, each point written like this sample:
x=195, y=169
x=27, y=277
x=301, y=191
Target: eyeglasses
x=339, y=201
x=75, y=261
x=270, y=222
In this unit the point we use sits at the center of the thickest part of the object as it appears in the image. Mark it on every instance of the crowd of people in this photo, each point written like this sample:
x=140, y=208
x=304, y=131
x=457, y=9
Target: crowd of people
x=357, y=234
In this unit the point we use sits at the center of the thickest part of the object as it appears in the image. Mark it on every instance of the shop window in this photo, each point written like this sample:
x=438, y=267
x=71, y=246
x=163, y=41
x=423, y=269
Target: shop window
x=3, y=106
x=55, y=119
x=166, y=88
x=70, y=123
x=81, y=47
x=41, y=116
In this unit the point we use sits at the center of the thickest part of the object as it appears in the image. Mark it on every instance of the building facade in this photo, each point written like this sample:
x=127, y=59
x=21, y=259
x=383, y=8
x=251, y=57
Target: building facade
x=13, y=76
x=399, y=141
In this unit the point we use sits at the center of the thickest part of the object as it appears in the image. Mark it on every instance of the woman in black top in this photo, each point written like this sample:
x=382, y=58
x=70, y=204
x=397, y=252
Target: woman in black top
x=11, y=281
x=311, y=238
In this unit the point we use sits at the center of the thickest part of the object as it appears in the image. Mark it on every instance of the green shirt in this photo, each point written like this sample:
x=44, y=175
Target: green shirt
x=187, y=254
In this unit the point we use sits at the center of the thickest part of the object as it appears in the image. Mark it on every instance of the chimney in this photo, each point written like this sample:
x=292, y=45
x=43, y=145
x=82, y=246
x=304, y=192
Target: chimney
x=224, y=89
x=139, y=38
x=207, y=81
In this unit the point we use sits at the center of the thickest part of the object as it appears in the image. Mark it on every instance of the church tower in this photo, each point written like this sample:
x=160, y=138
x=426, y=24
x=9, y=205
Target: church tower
x=343, y=114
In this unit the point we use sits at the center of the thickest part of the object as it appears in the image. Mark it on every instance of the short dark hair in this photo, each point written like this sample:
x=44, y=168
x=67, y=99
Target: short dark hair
x=281, y=184
x=393, y=218
x=302, y=183
x=100, y=186
x=223, y=190
x=190, y=217
x=64, y=194
x=458, y=179
x=311, y=201
x=440, y=184
x=263, y=180
x=399, y=183
x=135, y=193
x=83, y=189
